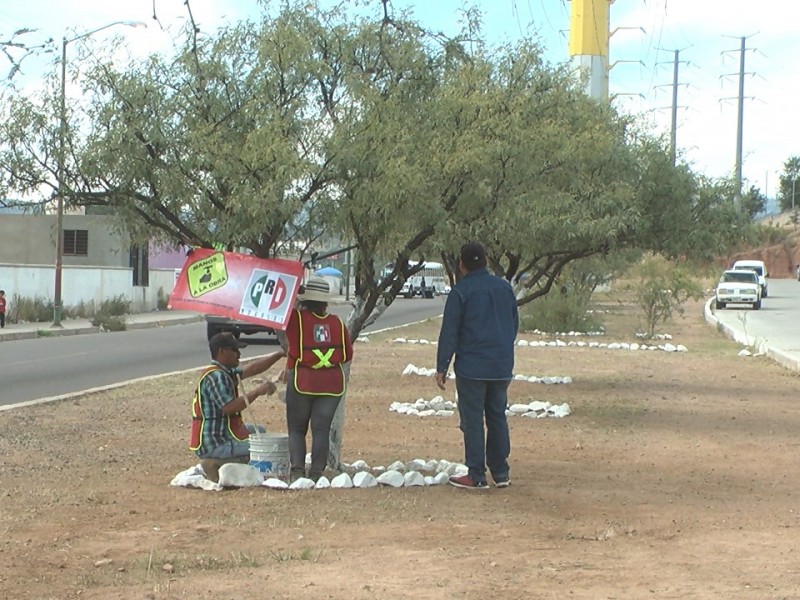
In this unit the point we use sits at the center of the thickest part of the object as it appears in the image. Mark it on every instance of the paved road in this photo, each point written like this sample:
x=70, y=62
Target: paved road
x=776, y=324
x=45, y=367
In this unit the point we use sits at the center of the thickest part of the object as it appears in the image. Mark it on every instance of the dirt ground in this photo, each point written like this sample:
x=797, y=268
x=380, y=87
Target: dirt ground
x=674, y=477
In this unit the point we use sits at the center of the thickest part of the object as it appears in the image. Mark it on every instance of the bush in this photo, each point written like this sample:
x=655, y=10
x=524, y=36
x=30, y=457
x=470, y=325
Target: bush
x=115, y=307
x=109, y=322
x=32, y=310
x=559, y=312
x=161, y=299
x=662, y=289
x=83, y=310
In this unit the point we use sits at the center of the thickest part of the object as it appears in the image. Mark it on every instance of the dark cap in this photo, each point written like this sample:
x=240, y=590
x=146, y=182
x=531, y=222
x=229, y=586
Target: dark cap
x=473, y=256
x=224, y=340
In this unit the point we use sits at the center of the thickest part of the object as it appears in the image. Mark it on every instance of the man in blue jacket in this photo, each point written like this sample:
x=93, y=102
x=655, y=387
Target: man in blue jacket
x=479, y=326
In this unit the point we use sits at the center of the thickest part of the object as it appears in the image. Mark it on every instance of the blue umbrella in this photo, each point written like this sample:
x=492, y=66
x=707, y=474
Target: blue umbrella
x=329, y=271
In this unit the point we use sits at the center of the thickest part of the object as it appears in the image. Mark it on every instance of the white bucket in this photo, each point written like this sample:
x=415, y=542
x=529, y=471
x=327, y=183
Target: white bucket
x=269, y=453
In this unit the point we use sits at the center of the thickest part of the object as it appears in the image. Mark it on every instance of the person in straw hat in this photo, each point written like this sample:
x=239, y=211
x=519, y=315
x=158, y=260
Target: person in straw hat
x=318, y=345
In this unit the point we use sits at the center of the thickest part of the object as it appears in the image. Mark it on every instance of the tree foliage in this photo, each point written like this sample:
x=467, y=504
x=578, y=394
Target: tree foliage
x=369, y=130
x=788, y=190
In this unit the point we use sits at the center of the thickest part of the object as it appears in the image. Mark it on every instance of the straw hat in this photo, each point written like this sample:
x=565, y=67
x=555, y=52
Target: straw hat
x=316, y=288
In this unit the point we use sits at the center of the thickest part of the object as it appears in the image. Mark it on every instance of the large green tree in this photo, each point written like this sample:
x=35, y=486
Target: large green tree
x=268, y=134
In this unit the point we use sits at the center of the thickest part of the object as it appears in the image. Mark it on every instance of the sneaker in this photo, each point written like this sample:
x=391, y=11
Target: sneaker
x=502, y=483
x=465, y=481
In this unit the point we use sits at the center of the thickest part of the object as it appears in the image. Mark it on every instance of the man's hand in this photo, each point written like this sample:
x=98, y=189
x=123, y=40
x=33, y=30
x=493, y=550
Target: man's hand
x=267, y=388
x=441, y=378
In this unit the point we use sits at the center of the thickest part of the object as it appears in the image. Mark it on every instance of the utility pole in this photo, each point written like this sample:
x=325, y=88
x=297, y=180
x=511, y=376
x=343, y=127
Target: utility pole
x=737, y=199
x=673, y=132
x=588, y=44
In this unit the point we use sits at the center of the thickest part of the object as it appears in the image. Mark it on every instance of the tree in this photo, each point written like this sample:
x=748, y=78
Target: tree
x=266, y=135
x=788, y=188
x=753, y=202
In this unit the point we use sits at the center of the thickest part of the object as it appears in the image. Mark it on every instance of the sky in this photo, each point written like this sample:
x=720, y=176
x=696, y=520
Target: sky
x=645, y=34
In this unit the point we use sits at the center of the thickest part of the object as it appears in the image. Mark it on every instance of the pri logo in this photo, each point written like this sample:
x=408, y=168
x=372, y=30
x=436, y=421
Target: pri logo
x=267, y=295
x=322, y=333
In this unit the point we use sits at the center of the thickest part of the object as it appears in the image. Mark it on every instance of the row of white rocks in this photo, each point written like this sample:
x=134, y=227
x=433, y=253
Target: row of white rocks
x=603, y=345
x=398, y=474
x=562, y=344
x=439, y=407
x=435, y=407
x=569, y=333
x=412, y=369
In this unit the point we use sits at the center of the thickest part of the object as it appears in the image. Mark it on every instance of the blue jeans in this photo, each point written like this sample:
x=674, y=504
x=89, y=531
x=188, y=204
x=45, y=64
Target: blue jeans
x=235, y=448
x=479, y=398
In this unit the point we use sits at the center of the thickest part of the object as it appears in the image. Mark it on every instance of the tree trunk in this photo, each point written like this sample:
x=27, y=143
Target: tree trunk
x=337, y=429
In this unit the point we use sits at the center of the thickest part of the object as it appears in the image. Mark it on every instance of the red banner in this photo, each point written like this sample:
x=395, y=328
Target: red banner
x=238, y=286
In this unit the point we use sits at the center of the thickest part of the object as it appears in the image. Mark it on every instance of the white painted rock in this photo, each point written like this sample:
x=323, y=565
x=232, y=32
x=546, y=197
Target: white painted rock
x=360, y=465
x=391, y=478
x=426, y=413
x=323, y=483
x=414, y=478
x=445, y=413
x=239, y=475
x=342, y=481
x=303, y=483
x=415, y=465
x=276, y=484
x=538, y=405
x=410, y=370
x=519, y=408
x=396, y=466
x=441, y=478
x=364, y=480
x=442, y=466
x=561, y=410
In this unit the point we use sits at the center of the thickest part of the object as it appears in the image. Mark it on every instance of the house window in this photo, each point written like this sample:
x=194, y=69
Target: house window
x=76, y=242
x=140, y=264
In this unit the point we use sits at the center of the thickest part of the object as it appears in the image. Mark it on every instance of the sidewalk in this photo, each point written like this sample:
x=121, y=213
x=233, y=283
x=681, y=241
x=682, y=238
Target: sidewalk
x=164, y=318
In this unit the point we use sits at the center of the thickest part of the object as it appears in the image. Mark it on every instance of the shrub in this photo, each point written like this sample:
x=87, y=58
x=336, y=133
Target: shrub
x=161, y=299
x=115, y=307
x=32, y=310
x=109, y=322
x=559, y=312
x=662, y=289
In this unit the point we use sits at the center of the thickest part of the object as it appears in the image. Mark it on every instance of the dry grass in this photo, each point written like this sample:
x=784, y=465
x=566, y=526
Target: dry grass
x=675, y=477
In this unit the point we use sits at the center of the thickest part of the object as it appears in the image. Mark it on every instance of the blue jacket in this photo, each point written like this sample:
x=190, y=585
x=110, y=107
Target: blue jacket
x=479, y=326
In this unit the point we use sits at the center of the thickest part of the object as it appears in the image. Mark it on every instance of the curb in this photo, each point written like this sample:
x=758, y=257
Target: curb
x=46, y=332
x=779, y=356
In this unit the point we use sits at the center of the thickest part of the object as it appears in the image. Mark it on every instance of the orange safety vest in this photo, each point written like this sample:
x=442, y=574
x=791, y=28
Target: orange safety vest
x=233, y=423
x=322, y=350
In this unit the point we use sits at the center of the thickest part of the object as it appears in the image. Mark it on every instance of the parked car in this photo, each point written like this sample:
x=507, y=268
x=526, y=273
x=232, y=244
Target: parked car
x=216, y=324
x=738, y=286
x=760, y=268
x=418, y=286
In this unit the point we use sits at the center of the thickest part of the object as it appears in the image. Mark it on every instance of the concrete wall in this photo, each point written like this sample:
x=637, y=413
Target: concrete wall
x=31, y=239
x=85, y=284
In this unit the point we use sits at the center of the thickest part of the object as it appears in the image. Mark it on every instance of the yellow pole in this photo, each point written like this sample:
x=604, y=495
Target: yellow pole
x=588, y=43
